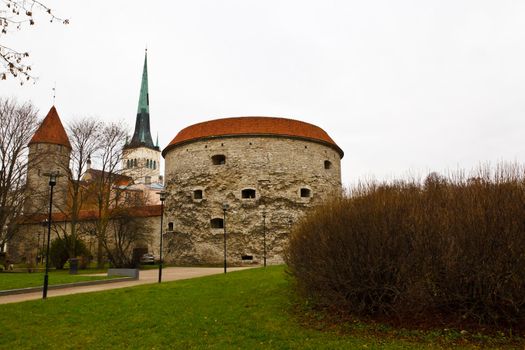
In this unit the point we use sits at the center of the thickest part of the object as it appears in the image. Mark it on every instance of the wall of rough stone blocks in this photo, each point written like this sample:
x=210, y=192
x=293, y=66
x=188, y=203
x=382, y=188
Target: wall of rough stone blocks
x=46, y=158
x=277, y=168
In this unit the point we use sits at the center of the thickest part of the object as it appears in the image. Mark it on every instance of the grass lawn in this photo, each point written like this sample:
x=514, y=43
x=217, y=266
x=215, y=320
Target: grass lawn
x=249, y=309
x=15, y=280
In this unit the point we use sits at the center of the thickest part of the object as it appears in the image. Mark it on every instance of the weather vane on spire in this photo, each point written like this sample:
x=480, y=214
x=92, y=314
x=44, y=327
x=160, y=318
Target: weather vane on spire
x=54, y=92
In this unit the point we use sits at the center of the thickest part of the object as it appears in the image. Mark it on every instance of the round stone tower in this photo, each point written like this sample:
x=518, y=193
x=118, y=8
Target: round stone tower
x=49, y=151
x=252, y=177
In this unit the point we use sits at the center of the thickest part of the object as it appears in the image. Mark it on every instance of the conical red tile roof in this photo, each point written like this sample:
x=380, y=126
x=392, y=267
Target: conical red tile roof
x=248, y=126
x=51, y=131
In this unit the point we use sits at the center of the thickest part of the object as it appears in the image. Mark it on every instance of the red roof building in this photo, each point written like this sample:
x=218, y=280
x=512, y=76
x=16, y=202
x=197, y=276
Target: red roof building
x=253, y=126
x=51, y=131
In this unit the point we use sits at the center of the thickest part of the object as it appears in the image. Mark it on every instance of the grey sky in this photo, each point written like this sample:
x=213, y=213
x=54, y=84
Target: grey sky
x=399, y=85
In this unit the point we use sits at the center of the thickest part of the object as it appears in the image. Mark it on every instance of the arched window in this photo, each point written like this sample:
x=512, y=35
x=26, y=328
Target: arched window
x=248, y=193
x=218, y=159
x=170, y=226
x=127, y=164
x=217, y=223
x=154, y=164
x=327, y=164
x=135, y=162
x=197, y=194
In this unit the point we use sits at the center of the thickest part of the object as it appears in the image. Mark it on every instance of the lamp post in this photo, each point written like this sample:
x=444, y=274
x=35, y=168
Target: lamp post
x=264, y=236
x=44, y=225
x=163, y=195
x=225, y=207
x=52, y=182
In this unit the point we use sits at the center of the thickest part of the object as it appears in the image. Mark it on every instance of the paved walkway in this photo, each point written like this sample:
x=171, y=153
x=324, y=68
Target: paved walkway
x=145, y=277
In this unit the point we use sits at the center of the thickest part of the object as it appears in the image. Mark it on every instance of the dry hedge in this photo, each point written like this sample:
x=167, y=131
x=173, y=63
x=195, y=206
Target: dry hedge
x=446, y=248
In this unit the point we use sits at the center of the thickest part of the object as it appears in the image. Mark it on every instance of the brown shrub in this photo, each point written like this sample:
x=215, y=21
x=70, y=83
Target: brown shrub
x=450, y=247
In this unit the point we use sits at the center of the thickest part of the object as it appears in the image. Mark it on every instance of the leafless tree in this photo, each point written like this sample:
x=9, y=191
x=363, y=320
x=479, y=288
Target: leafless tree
x=18, y=123
x=106, y=183
x=15, y=15
x=84, y=138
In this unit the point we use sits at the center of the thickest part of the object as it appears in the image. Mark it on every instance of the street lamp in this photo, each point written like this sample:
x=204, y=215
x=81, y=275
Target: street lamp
x=52, y=182
x=225, y=207
x=163, y=195
x=264, y=235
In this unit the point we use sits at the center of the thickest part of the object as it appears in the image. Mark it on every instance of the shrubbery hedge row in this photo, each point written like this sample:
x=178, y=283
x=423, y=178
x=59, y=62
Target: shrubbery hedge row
x=449, y=249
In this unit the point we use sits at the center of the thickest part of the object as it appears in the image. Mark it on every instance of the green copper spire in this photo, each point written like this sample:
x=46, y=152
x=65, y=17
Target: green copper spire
x=144, y=95
x=142, y=136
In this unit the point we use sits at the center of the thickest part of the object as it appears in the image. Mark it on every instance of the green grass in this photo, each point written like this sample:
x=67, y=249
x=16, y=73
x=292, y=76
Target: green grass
x=15, y=280
x=249, y=309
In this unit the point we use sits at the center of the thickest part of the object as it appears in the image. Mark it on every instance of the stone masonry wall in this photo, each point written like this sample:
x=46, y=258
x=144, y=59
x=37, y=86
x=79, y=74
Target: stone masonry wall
x=46, y=158
x=277, y=168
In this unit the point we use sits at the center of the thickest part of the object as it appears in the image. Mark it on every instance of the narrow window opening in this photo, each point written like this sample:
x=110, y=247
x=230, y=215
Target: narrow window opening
x=197, y=194
x=217, y=223
x=248, y=193
x=170, y=226
x=305, y=192
x=218, y=159
x=327, y=164
x=154, y=164
x=135, y=162
x=247, y=257
x=147, y=163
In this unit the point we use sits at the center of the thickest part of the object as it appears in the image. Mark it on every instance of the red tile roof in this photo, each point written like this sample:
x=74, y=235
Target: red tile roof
x=86, y=215
x=51, y=131
x=248, y=126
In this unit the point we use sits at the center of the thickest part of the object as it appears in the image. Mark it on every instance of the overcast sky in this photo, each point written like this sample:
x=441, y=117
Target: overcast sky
x=401, y=86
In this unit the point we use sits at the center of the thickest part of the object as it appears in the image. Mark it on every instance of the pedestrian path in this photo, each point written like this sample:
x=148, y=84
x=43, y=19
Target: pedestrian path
x=145, y=277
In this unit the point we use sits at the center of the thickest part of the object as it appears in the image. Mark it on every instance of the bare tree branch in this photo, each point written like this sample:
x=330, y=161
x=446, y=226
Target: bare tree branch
x=17, y=125
x=14, y=15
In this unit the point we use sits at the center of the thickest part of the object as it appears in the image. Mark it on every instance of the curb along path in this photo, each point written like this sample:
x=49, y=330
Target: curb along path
x=145, y=277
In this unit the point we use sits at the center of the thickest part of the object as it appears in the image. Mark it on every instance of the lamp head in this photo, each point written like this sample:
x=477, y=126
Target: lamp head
x=163, y=195
x=225, y=206
x=53, y=175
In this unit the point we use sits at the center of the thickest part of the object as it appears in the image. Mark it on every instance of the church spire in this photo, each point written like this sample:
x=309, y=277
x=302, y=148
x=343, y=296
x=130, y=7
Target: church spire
x=144, y=96
x=142, y=136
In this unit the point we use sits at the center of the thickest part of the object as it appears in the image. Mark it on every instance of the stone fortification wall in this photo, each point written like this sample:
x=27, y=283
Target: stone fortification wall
x=30, y=240
x=285, y=177
x=46, y=158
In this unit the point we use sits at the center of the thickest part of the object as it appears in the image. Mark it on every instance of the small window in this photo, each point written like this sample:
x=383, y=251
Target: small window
x=248, y=193
x=197, y=194
x=327, y=164
x=147, y=163
x=154, y=164
x=218, y=159
x=170, y=226
x=247, y=257
x=305, y=192
x=127, y=164
x=135, y=162
x=217, y=223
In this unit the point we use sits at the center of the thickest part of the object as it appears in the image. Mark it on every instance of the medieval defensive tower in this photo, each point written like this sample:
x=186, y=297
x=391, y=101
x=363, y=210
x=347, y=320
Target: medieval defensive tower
x=49, y=151
x=140, y=157
x=252, y=177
